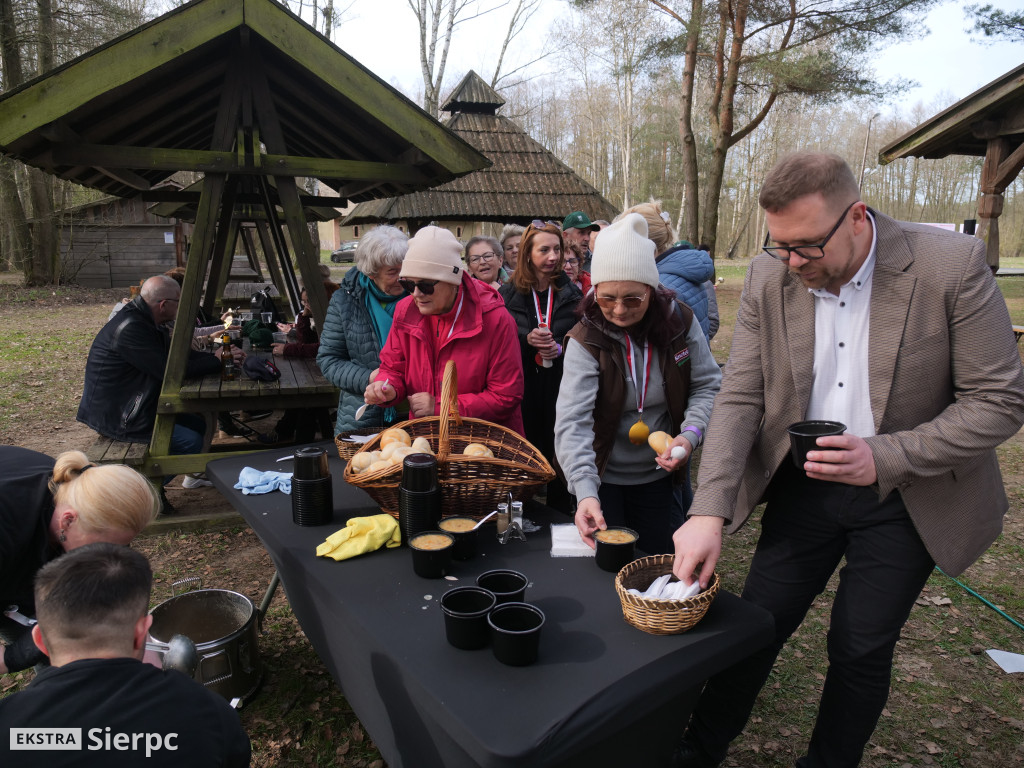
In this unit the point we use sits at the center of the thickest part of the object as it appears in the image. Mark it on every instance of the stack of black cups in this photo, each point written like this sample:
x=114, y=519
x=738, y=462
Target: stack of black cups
x=312, y=493
x=419, y=496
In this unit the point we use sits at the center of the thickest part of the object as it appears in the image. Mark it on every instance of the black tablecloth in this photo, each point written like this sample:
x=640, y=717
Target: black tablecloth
x=601, y=694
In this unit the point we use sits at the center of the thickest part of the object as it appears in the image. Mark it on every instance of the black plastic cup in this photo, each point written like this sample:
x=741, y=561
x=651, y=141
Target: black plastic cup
x=312, y=501
x=418, y=511
x=515, y=633
x=613, y=554
x=465, y=616
x=309, y=464
x=462, y=528
x=507, y=586
x=431, y=562
x=419, y=472
x=803, y=437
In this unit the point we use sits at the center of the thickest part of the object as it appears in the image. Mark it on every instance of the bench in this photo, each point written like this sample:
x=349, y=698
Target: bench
x=105, y=450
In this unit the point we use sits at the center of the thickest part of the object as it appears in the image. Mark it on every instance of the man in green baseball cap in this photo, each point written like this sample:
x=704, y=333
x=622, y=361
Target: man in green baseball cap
x=576, y=228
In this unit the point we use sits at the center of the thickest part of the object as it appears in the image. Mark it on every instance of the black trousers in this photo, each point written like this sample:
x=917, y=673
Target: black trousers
x=808, y=527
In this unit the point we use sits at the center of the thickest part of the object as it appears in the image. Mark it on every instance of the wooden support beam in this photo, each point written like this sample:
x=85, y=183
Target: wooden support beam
x=207, y=161
x=248, y=198
x=1009, y=168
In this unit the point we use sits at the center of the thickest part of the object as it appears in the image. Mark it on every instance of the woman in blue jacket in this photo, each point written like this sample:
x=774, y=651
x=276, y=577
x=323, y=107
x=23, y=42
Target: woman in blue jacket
x=357, y=325
x=681, y=267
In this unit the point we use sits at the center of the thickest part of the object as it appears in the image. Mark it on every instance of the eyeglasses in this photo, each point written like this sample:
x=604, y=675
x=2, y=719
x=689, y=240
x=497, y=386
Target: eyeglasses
x=815, y=251
x=572, y=262
x=426, y=287
x=482, y=257
x=629, y=302
x=538, y=224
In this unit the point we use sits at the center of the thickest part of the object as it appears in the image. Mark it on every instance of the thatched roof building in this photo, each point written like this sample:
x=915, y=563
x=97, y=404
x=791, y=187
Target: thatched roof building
x=524, y=182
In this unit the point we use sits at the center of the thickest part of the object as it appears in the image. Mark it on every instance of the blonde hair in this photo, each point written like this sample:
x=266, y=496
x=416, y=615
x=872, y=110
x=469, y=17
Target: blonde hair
x=106, y=497
x=659, y=231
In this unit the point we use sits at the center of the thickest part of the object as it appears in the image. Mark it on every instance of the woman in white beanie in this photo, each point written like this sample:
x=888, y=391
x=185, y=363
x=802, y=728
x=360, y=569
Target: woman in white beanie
x=449, y=316
x=635, y=364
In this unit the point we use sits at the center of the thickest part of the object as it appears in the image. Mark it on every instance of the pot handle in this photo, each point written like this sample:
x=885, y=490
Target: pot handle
x=227, y=676
x=193, y=582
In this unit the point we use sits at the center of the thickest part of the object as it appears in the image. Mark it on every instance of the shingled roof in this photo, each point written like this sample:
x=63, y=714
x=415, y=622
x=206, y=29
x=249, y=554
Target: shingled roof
x=524, y=182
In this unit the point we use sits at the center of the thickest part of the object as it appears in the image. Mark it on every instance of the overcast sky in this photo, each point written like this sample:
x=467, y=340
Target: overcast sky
x=947, y=63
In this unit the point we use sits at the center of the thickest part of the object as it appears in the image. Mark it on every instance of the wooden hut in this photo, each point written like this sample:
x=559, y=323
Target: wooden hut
x=524, y=182
x=115, y=242
x=989, y=123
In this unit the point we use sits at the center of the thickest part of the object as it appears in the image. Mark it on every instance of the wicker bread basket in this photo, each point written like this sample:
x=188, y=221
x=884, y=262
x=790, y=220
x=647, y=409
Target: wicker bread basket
x=659, y=617
x=346, y=450
x=470, y=485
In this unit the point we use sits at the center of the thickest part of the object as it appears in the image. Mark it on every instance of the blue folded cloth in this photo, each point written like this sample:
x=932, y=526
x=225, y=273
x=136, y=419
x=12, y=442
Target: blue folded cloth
x=255, y=481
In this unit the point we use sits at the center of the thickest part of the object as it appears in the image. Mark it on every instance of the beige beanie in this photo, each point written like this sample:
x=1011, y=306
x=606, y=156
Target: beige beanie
x=624, y=252
x=433, y=254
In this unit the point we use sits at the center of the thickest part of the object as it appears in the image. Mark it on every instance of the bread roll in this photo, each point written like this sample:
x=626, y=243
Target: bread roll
x=378, y=465
x=361, y=461
x=388, y=451
x=422, y=445
x=400, y=452
x=659, y=441
x=393, y=435
x=476, y=449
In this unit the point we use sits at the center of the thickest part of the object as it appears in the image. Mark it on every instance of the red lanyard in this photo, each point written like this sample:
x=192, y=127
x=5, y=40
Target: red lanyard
x=545, y=321
x=640, y=391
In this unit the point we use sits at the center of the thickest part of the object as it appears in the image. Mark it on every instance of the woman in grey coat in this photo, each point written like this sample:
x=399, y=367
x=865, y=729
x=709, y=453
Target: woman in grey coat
x=357, y=325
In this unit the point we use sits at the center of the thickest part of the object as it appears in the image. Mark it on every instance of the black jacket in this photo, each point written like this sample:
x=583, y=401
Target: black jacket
x=124, y=373
x=540, y=385
x=105, y=697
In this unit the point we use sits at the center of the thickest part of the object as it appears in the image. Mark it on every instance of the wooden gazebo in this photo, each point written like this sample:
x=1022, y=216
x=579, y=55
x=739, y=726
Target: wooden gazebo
x=248, y=94
x=524, y=182
x=989, y=123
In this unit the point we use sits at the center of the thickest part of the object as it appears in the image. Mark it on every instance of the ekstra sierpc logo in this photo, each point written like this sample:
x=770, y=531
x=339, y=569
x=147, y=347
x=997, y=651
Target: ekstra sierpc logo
x=46, y=739
x=96, y=739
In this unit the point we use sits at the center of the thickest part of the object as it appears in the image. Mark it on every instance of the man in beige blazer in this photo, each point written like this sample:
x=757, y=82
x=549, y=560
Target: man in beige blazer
x=900, y=332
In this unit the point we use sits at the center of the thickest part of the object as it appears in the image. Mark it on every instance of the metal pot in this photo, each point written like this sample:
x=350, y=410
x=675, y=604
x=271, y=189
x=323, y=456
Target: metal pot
x=224, y=626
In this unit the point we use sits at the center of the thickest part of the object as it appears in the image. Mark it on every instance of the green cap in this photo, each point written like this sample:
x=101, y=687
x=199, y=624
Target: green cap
x=578, y=220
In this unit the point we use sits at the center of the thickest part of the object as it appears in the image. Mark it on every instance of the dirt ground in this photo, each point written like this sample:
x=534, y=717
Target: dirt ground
x=950, y=705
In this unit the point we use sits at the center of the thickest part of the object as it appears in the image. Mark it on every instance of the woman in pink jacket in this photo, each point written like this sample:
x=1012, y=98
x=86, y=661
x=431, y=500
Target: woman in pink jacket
x=449, y=316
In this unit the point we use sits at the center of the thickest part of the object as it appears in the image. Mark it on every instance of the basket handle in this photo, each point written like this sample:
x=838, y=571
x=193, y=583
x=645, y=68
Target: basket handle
x=449, y=407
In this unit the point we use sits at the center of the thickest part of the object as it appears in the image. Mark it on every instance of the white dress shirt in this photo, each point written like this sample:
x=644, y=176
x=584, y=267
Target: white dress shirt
x=842, y=326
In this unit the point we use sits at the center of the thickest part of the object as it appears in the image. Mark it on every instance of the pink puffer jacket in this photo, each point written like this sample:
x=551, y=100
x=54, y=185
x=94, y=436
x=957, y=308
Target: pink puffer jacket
x=484, y=345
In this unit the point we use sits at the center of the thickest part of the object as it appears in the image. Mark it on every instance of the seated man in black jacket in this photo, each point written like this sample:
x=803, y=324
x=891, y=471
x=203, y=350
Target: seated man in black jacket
x=114, y=708
x=125, y=370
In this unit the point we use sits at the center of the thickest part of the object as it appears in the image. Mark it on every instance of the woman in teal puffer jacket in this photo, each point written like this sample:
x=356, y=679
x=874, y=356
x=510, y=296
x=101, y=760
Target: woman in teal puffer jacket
x=357, y=325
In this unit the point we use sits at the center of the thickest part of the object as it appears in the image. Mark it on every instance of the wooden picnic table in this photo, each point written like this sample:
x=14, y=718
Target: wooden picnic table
x=301, y=385
x=1018, y=331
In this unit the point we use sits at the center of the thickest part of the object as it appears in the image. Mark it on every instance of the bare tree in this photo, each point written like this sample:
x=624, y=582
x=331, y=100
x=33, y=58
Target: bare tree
x=437, y=20
x=761, y=51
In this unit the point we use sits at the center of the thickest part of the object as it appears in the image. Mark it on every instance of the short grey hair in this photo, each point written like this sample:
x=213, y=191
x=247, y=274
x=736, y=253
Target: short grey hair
x=510, y=230
x=159, y=288
x=380, y=248
x=493, y=242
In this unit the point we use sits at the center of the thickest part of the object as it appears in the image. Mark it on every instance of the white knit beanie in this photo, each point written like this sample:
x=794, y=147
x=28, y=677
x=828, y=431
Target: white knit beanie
x=624, y=252
x=433, y=254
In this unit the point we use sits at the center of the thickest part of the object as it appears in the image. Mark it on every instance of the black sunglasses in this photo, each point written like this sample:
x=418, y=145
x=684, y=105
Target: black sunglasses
x=815, y=251
x=426, y=286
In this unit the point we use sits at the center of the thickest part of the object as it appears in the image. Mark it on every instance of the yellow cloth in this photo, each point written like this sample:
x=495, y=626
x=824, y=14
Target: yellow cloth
x=361, y=534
